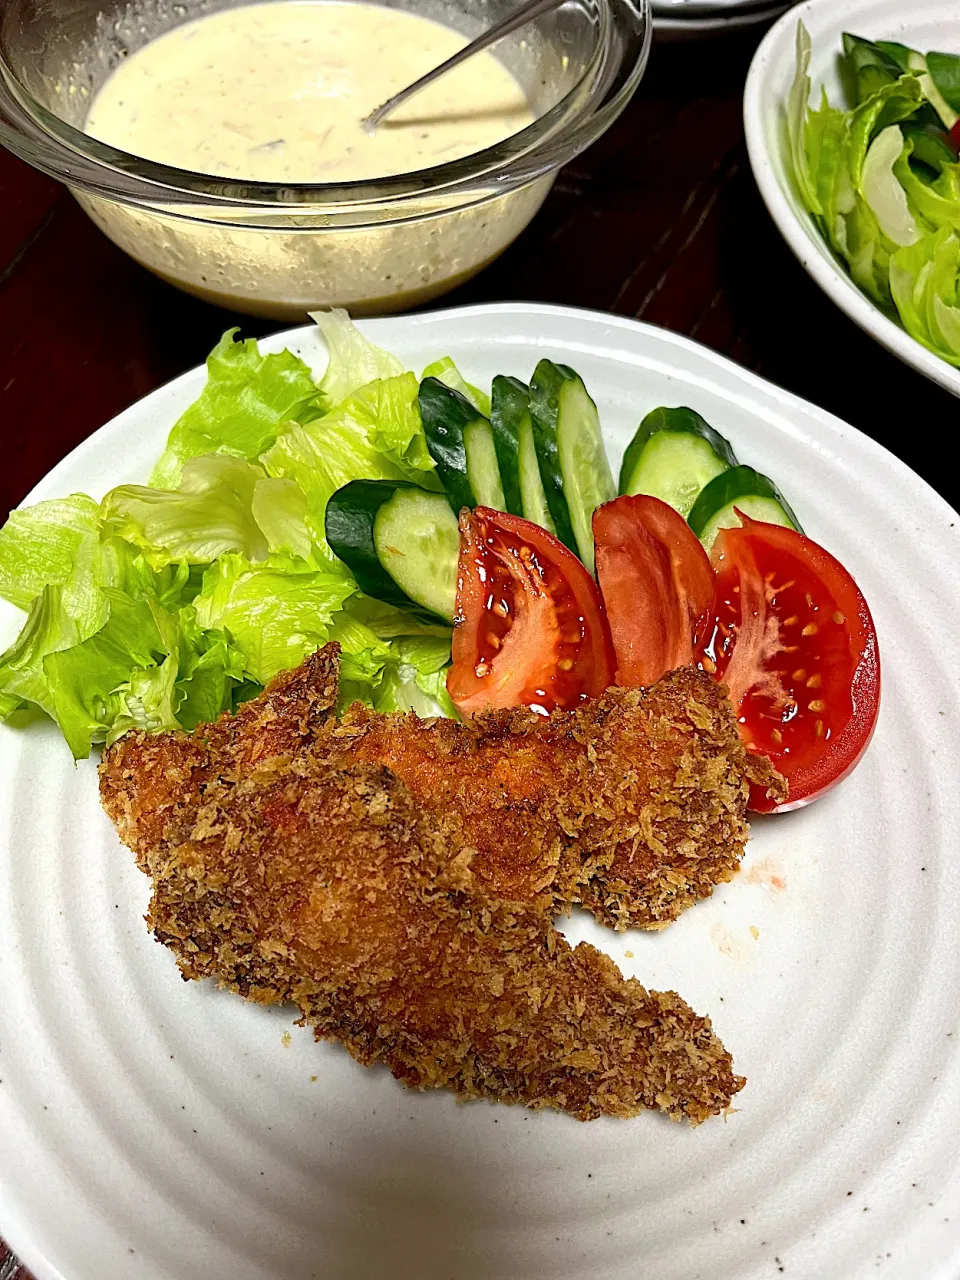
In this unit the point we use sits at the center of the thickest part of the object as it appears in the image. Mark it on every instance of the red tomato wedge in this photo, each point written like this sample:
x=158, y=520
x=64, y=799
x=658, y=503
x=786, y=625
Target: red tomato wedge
x=658, y=587
x=797, y=648
x=530, y=629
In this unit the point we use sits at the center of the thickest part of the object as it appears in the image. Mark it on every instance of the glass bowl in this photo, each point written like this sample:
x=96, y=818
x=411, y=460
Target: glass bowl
x=372, y=246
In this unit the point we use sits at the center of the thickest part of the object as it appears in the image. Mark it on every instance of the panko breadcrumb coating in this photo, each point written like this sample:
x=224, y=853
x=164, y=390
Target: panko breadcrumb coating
x=302, y=882
x=633, y=805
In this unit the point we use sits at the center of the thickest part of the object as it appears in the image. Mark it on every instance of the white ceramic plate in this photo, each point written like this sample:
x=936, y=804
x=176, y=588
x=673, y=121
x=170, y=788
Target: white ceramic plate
x=159, y=1130
x=927, y=24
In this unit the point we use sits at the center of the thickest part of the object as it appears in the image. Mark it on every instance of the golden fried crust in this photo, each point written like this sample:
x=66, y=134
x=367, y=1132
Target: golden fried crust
x=331, y=888
x=152, y=785
x=634, y=804
x=666, y=797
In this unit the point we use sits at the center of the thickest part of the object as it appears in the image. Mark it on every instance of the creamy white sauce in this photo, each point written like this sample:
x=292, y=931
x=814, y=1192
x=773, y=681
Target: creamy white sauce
x=276, y=92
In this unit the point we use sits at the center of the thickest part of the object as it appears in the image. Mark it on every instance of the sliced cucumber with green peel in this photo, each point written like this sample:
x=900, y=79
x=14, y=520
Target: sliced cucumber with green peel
x=461, y=443
x=573, y=461
x=532, y=493
x=417, y=540
x=399, y=541
x=509, y=407
x=545, y=386
x=673, y=455
x=740, y=488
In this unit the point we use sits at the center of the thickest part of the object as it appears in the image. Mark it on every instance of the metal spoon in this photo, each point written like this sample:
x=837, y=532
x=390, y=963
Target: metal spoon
x=526, y=13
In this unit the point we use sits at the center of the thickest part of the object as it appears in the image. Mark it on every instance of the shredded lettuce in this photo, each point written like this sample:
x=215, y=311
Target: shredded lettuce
x=222, y=505
x=167, y=604
x=415, y=678
x=274, y=614
x=353, y=360
x=882, y=181
x=248, y=401
x=54, y=543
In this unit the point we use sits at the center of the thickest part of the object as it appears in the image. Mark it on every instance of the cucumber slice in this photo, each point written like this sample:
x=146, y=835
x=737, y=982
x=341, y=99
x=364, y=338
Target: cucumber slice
x=587, y=478
x=483, y=470
x=532, y=492
x=417, y=540
x=745, y=489
x=461, y=443
x=510, y=404
x=399, y=541
x=545, y=386
x=672, y=456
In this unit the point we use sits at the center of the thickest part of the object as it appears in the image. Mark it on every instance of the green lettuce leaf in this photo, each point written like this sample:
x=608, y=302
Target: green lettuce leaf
x=797, y=103
x=84, y=679
x=924, y=286
x=825, y=141
x=49, y=627
x=353, y=359
x=363, y=657
x=374, y=434
x=450, y=375
x=387, y=621
x=275, y=614
x=248, y=401
x=935, y=204
x=882, y=191
x=223, y=504
x=55, y=543
x=415, y=678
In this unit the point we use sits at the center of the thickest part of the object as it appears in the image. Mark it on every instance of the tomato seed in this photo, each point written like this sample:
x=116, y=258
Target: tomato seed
x=526, y=553
x=815, y=681
x=500, y=609
x=709, y=666
x=809, y=599
x=776, y=736
x=565, y=664
x=810, y=629
x=817, y=704
x=791, y=622
x=818, y=727
x=839, y=619
x=573, y=638
x=493, y=641
x=800, y=673
x=481, y=669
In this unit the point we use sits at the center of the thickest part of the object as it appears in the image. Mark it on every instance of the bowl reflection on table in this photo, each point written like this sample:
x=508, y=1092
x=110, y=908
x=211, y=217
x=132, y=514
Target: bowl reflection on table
x=373, y=245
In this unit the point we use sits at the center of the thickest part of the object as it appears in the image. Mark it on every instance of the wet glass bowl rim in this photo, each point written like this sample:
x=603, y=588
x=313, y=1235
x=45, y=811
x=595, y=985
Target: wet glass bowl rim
x=64, y=152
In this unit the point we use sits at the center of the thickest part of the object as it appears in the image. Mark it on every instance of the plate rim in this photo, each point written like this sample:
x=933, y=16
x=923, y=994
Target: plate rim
x=799, y=232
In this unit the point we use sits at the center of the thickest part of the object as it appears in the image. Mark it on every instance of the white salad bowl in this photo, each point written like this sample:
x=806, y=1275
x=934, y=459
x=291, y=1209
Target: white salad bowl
x=931, y=24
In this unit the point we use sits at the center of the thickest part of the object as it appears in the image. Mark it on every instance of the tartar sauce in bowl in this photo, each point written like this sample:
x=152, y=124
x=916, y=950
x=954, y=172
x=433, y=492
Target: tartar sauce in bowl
x=277, y=92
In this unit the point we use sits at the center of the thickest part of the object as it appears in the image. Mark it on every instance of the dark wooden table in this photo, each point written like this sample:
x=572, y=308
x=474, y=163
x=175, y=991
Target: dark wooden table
x=659, y=220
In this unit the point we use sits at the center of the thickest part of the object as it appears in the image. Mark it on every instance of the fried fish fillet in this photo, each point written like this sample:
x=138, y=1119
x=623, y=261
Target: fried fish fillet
x=288, y=878
x=633, y=805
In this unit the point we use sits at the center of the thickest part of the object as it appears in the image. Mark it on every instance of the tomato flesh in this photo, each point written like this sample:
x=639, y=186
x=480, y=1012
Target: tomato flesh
x=797, y=648
x=658, y=587
x=530, y=628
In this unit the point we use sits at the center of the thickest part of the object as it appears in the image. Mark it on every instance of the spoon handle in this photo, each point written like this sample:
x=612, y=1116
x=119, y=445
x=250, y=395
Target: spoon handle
x=520, y=17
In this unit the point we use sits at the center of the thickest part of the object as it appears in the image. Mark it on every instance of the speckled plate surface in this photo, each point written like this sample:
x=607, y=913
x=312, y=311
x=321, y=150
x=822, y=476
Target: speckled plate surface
x=155, y=1129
